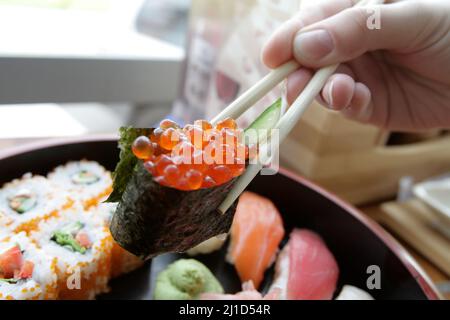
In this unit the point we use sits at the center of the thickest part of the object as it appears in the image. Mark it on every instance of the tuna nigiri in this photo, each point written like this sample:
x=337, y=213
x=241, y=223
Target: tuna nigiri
x=305, y=268
x=256, y=232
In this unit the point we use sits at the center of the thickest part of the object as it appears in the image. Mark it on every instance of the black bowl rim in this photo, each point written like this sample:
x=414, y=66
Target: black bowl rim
x=405, y=257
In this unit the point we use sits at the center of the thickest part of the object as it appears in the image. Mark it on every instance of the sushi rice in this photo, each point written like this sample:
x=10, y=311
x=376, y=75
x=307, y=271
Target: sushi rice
x=81, y=274
x=105, y=211
x=122, y=261
x=5, y=222
x=25, y=202
x=349, y=292
x=86, y=181
x=43, y=281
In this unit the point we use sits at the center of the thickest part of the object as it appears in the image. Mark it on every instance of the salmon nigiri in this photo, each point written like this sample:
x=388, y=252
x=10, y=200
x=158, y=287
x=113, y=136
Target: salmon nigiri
x=256, y=233
x=305, y=268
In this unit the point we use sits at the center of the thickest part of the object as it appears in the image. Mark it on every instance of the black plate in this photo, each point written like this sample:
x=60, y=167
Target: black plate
x=355, y=241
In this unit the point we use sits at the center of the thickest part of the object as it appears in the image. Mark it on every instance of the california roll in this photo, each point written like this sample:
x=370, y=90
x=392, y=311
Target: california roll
x=27, y=201
x=26, y=272
x=86, y=181
x=82, y=245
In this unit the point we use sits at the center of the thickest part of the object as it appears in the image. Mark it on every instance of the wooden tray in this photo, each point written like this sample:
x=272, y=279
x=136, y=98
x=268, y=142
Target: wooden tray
x=355, y=241
x=413, y=221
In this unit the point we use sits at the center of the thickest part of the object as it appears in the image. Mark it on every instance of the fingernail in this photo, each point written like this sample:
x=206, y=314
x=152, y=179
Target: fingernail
x=329, y=95
x=313, y=45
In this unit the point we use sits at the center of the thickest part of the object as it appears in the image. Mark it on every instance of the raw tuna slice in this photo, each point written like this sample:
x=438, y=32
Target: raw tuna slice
x=305, y=269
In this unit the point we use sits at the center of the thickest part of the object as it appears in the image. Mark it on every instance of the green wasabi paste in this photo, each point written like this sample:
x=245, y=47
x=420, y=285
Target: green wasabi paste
x=185, y=279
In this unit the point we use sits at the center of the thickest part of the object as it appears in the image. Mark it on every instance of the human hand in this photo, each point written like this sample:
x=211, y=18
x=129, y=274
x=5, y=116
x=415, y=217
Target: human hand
x=396, y=77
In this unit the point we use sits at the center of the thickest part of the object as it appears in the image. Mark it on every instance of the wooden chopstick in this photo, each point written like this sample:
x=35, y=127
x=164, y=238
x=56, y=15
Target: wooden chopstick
x=284, y=125
x=287, y=121
x=256, y=92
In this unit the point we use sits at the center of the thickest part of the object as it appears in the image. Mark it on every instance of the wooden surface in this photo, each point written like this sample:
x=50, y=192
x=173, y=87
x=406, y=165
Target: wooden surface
x=422, y=240
x=355, y=176
x=349, y=158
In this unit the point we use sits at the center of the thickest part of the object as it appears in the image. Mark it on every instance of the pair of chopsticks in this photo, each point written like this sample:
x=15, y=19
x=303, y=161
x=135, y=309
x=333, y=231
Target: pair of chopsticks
x=287, y=121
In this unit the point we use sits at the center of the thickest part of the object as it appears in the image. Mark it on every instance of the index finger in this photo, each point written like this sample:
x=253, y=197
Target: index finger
x=278, y=49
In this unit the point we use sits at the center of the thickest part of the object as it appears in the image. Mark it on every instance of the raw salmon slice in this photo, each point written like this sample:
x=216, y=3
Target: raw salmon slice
x=256, y=233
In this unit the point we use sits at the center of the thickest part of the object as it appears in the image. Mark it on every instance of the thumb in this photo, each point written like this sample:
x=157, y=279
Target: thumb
x=354, y=31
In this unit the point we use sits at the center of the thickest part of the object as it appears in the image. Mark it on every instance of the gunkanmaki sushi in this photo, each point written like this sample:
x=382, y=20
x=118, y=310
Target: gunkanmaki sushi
x=170, y=181
x=177, y=177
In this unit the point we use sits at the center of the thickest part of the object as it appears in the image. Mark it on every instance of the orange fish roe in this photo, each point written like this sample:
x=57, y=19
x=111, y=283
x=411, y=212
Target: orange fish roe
x=195, y=156
x=195, y=134
x=169, y=139
x=96, y=200
x=220, y=173
x=33, y=224
x=150, y=166
x=166, y=124
x=203, y=124
x=161, y=162
x=143, y=148
x=226, y=123
x=208, y=182
x=194, y=179
x=154, y=137
x=172, y=174
x=237, y=168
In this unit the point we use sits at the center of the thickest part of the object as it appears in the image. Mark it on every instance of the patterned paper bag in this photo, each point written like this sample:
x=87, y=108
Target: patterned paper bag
x=223, y=54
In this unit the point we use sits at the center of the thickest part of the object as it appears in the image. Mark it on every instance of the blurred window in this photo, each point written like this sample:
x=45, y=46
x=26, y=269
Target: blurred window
x=82, y=28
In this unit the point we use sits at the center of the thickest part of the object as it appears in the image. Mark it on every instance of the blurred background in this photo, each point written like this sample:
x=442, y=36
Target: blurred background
x=78, y=67
x=72, y=67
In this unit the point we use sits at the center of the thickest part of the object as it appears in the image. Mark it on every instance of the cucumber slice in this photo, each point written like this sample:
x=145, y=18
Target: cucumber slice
x=265, y=121
x=268, y=118
x=12, y=280
x=67, y=240
x=72, y=228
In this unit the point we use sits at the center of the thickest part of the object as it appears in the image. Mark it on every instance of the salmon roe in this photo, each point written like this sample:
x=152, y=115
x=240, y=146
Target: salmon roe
x=226, y=123
x=169, y=139
x=195, y=156
x=142, y=148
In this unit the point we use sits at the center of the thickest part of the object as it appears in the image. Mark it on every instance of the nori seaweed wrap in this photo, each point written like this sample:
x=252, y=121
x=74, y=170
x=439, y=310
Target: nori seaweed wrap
x=157, y=211
x=151, y=218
